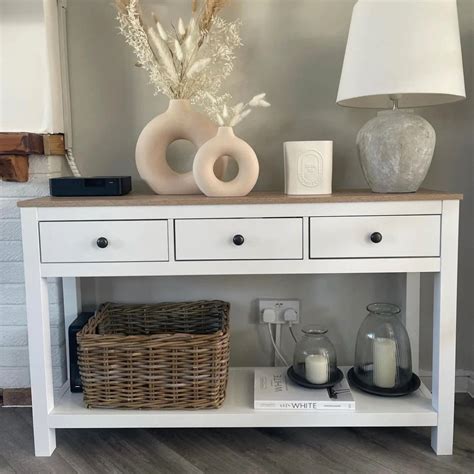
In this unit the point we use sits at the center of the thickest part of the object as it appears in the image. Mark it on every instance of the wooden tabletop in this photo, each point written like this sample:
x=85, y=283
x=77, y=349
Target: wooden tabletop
x=362, y=195
x=355, y=195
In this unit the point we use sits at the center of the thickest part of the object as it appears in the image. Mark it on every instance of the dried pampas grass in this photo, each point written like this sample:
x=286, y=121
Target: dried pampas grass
x=122, y=5
x=226, y=116
x=210, y=10
x=183, y=62
x=189, y=61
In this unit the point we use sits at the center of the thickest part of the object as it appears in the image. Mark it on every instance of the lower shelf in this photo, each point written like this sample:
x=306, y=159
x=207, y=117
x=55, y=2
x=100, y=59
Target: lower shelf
x=412, y=410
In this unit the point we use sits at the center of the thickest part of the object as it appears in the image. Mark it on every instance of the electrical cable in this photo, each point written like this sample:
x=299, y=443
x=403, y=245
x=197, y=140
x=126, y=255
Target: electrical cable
x=290, y=327
x=71, y=161
x=275, y=346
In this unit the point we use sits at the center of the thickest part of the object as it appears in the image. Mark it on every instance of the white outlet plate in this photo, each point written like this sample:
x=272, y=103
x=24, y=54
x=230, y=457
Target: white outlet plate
x=279, y=306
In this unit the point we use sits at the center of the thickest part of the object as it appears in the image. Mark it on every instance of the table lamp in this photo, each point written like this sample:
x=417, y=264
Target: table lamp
x=400, y=53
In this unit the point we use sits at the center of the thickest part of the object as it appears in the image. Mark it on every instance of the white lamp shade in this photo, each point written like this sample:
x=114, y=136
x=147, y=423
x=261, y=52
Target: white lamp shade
x=408, y=48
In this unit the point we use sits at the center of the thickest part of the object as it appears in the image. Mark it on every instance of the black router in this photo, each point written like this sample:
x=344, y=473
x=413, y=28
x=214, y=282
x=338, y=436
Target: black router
x=74, y=328
x=93, y=186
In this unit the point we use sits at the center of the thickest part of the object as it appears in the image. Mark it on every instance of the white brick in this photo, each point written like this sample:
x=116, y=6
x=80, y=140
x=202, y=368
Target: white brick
x=18, y=356
x=9, y=209
x=14, y=377
x=12, y=293
x=59, y=376
x=11, y=336
x=15, y=315
x=37, y=185
x=11, y=272
x=19, y=377
x=55, y=290
x=37, y=164
x=11, y=252
x=56, y=315
x=13, y=331
x=10, y=229
x=58, y=336
x=12, y=315
x=51, y=165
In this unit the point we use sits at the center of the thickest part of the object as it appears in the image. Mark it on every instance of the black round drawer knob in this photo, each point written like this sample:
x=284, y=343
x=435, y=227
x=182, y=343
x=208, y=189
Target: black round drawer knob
x=102, y=242
x=376, y=237
x=238, y=239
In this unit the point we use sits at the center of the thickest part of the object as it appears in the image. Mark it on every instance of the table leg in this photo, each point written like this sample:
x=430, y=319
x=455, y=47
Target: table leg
x=412, y=317
x=72, y=308
x=444, y=331
x=39, y=337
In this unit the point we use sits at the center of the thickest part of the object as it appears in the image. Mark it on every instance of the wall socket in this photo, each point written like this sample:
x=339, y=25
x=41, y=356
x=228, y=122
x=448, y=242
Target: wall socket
x=279, y=311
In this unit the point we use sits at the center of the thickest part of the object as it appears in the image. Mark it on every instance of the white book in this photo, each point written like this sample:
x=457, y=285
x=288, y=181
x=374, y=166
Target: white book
x=275, y=391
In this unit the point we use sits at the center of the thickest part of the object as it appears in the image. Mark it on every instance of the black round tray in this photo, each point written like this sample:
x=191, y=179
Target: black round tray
x=412, y=386
x=304, y=383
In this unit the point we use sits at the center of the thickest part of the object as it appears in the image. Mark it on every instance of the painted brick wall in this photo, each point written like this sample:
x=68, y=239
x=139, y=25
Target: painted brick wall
x=14, y=371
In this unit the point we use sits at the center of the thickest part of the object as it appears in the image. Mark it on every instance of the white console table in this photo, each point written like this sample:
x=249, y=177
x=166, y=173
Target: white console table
x=194, y=235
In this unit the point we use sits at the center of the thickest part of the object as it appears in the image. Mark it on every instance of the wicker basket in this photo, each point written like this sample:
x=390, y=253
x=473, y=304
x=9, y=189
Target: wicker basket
x=167, y=355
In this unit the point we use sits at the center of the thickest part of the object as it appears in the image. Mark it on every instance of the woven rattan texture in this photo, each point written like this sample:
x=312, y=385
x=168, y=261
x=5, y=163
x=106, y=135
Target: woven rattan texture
x=166, y=355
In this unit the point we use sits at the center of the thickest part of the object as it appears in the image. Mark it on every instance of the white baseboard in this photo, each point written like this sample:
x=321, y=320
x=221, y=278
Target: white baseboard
x=464, y=380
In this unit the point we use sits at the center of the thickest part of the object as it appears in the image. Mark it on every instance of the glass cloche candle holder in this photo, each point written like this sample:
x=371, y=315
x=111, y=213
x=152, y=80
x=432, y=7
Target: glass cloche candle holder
x=315, y=358
x=383, y=353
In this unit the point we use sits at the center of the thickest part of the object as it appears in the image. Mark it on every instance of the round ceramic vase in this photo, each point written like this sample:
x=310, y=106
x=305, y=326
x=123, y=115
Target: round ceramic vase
x=225, y=143
x=395, y=151
x=179, y=122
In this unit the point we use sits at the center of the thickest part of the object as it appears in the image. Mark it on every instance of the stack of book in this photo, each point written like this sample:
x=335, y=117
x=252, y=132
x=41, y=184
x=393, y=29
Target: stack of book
x=275, y=391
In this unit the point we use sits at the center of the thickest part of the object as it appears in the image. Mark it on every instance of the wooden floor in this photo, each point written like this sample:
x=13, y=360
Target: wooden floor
x=289, y=450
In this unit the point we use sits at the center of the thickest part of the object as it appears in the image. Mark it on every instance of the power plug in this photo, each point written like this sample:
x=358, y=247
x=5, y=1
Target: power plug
x=291, y=316
x=279, y=311
x=268, y=315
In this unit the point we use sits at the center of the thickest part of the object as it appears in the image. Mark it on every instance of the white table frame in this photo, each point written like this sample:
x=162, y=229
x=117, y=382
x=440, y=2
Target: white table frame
x=46, y=414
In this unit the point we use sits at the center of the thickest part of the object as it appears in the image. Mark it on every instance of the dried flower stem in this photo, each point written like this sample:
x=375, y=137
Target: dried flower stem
x=232, y=116
x=185, y=62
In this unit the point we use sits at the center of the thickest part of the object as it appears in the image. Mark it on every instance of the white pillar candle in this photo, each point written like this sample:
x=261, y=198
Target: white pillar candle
x=317, y=368
x=385, y=362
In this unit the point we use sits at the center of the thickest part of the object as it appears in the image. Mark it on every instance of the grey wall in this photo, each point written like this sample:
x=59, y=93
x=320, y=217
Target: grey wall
x=293, y=51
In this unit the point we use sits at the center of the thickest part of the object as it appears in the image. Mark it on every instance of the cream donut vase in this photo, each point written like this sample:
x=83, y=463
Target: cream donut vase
x=180, y=121
x=225, y=143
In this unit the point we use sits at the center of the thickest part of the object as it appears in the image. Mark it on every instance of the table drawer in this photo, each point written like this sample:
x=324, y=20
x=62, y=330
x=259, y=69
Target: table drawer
x=357, y=237
x=218, y=239
x=126, y=241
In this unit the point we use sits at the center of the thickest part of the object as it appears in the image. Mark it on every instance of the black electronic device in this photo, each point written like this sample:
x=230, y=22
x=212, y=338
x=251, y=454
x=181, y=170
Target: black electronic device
x=92, y=186
x=74, y=328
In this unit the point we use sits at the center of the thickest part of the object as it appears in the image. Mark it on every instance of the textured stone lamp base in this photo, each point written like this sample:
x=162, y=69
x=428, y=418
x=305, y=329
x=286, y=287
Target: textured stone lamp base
x=395, y=151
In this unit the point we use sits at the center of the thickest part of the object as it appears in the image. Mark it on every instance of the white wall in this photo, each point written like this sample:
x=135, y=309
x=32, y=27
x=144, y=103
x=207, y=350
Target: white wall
x=30, y=86
x=335, y=301
x=293, y=50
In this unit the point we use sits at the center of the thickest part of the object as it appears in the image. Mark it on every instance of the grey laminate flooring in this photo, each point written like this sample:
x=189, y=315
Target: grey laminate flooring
x=229, y=451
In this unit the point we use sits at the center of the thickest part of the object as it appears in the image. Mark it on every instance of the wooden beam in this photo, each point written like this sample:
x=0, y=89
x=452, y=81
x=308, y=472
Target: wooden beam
x=21, y=143
x=15, y=397
x=54, y=144
x=16, y=147
x=14, y=168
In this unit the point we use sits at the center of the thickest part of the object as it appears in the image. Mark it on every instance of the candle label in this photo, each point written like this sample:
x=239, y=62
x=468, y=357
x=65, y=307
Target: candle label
x=310, y=168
